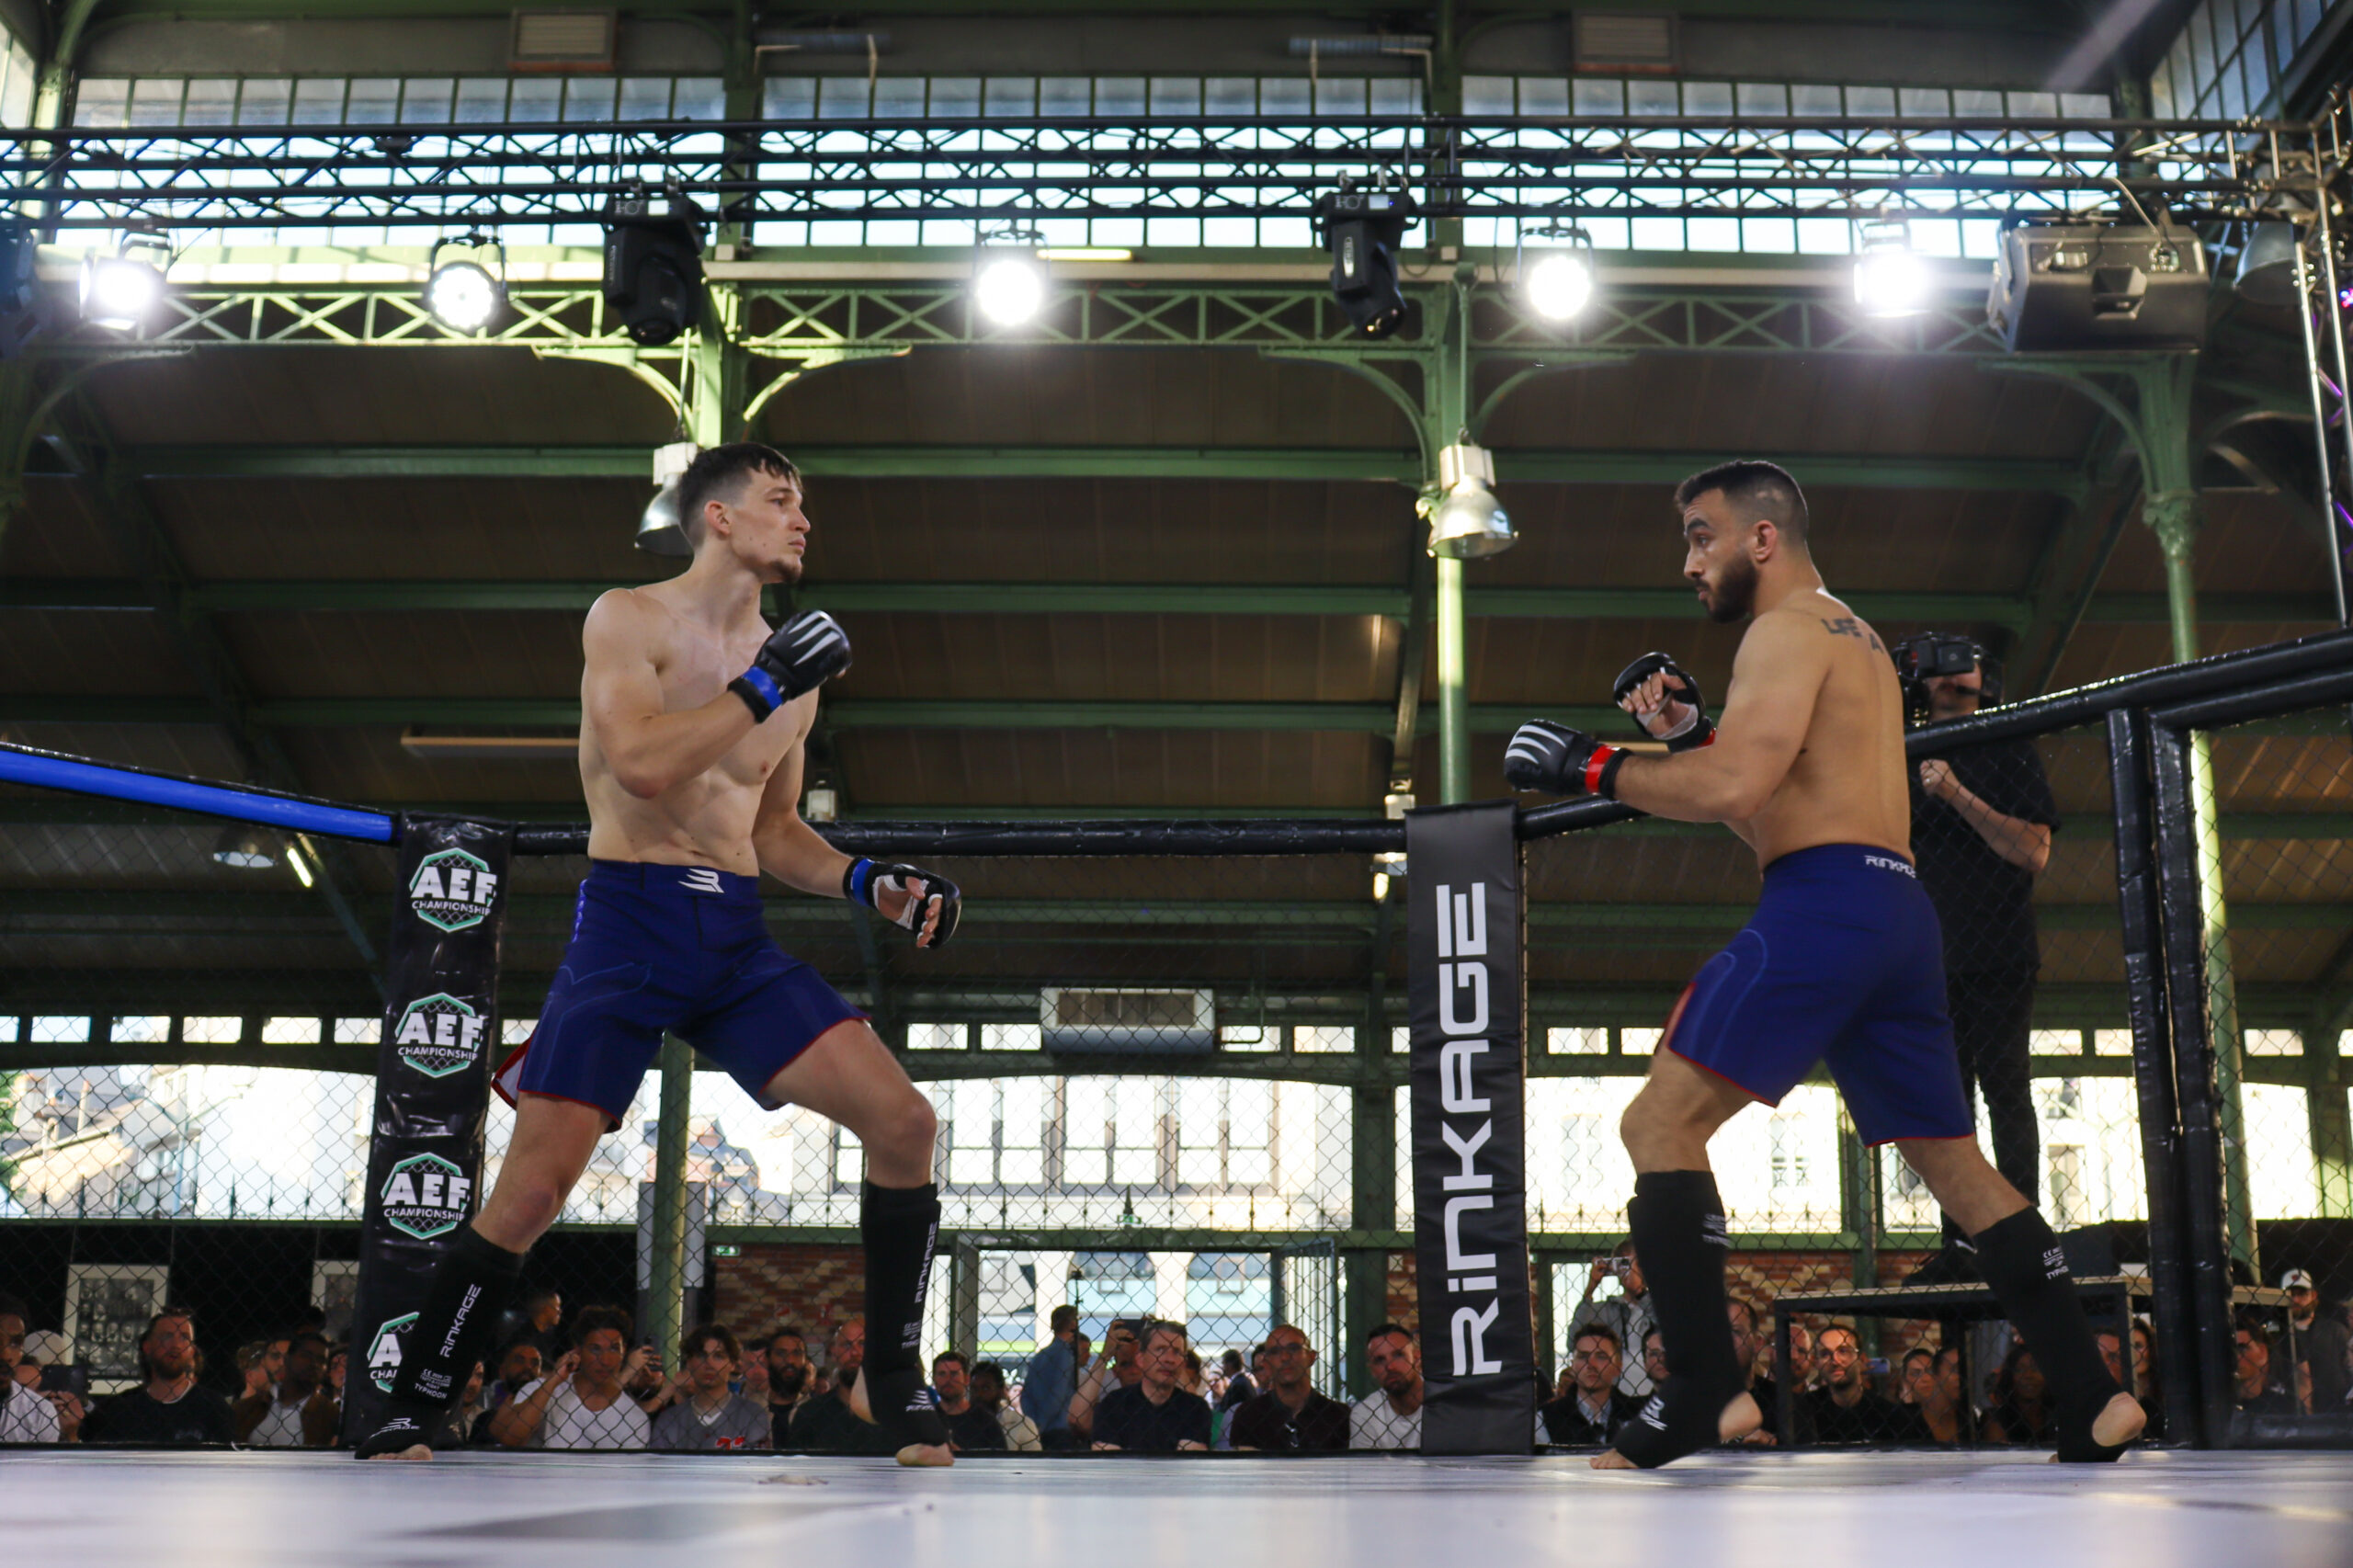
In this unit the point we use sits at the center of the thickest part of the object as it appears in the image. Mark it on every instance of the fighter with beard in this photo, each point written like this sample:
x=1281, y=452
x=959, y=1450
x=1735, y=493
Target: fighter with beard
x=1841, y=964
x=692, y=775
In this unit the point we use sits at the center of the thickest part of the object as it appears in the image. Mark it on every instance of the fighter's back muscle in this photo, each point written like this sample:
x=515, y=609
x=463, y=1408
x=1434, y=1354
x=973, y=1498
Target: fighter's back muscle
x=641, y=652
x=1847, y=783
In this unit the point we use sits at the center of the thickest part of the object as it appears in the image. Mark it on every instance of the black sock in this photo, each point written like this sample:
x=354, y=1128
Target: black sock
x=1677, y=1224
x=454, y=1328
x=2024, y=1263
x=899, y=1225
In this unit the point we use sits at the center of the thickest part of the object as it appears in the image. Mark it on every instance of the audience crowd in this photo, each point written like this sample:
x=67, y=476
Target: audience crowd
x=588, y=1381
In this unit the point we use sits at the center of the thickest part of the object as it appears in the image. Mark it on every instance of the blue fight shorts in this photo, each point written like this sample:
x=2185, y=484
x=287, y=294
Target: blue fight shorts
x=675, y=949
x=1841, y=963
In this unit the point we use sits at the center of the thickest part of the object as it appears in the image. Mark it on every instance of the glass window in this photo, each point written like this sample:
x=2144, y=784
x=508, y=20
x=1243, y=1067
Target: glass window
x=1818, y=102
x=1766, y=99
x=789, y=97
x=1075, y=95
x=1176, y=95
x=1012, y=95
x=698, y=98
x=482, y=98
x=426, y=100
x=535, y=98
x=1598, y=96
x=374, y=100
x=1648, y=94
x=954, y=97
x=1489, y=95
x=1709, y=98
x=319, y=101
x=157, y=101
x=290, y=1031
x=210, y=101
x=645, y=97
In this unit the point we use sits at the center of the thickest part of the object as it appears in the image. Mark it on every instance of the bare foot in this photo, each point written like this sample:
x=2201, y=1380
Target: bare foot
x=415, y=1453
x=1740, y=1417
x=2119, y=1422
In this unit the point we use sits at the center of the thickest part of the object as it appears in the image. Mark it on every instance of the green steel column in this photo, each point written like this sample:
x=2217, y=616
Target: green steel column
x=666, y=1279
x=1449, y=397
x=1372, y=1202
x=2332, y=1127
x=1453, y=689
x=2172, y=512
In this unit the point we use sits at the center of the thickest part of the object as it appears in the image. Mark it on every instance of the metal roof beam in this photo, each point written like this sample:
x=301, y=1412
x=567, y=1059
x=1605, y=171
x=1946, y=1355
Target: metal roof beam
x=1117, y=598
x=51, y=809
x=1400, y=465
x=874, y=713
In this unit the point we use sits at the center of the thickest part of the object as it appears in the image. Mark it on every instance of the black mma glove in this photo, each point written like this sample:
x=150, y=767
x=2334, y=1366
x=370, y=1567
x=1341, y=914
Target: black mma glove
x=1697, y=728
x=1561, y=761
x=798, y=657
x=866, y=878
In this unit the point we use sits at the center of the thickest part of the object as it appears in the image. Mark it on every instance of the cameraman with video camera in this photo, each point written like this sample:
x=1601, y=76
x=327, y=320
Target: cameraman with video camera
x=1981, y=820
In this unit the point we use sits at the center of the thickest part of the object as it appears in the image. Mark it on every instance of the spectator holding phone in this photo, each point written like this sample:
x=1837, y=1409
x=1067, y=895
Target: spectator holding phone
x=1627, y=1315
x=1116, y=1368
x=581, y=1403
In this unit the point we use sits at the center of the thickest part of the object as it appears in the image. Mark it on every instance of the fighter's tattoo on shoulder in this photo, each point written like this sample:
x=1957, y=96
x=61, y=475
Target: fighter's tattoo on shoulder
x=1847, y=626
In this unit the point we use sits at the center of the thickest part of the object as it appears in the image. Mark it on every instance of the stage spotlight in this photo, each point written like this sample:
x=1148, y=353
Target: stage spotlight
x=119, y=290
x=1362, y=231
x=1008, y=285
x=2266, y=274
x=653, y=266
x=1891, y=278
x=463, y=295
x=659, y=530
x=246, y=847
x=1556, y=271
x=1469, y=522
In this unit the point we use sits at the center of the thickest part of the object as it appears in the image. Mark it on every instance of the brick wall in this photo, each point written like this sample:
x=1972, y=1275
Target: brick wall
x=812, y=1288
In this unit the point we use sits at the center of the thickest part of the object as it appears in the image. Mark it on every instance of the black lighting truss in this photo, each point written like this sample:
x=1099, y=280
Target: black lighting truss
x=988, y=169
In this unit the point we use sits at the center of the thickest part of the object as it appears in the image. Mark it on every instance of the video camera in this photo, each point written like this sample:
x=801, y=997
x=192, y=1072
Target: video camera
x=1919, y=660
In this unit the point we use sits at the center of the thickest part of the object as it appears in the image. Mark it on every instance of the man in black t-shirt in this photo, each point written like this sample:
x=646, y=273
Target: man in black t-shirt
x=169, y=1407
x=1153, y=1416
x=969, y=1426
x=1845, y=1409
x=1981, y=820
x=1290, y=1416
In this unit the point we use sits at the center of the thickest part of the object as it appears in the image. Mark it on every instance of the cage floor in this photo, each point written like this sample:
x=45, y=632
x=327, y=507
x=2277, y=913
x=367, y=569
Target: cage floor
x=2283, y=1510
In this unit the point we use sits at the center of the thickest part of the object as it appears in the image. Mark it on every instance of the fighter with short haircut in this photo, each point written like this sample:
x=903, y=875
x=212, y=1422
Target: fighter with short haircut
x=694, y=715
x=1842, y=963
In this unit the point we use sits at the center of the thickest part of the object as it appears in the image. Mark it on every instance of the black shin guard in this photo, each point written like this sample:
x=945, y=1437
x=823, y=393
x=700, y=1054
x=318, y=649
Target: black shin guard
x=899, y=1225
x=2028, y=1269
x=1677, y=1225
x=460, y=1315
x=453, y=1331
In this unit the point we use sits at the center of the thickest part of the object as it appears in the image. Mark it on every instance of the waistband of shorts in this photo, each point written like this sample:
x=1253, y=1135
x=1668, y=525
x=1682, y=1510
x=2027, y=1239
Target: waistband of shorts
x=704, y=882
x=1820, y=860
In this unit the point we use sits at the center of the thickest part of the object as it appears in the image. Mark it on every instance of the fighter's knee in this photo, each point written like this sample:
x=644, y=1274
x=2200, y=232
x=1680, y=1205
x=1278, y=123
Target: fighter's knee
x=910, y=1125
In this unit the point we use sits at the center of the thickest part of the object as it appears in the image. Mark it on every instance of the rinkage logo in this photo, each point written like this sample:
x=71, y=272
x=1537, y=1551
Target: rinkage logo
x=438, y=1034
x=384, y=1350
x=426, y=1197
x=453, y=890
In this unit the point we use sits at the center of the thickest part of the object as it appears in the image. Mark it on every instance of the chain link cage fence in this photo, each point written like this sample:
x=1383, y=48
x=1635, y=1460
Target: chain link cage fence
x=2276, y=885
x=1170, y=1089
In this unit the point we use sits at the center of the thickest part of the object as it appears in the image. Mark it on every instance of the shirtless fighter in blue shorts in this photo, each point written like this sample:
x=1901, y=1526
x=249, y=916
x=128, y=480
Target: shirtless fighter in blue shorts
x=1841, y=965
x=693, y=716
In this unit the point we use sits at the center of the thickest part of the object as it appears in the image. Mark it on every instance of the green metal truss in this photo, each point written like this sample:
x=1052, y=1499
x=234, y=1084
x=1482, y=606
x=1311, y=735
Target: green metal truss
x=1397, y=465
x=1115, y=598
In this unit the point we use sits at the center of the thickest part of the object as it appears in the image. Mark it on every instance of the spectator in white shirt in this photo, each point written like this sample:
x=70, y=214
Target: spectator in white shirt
x=1391, y=1415
x=580, y=1405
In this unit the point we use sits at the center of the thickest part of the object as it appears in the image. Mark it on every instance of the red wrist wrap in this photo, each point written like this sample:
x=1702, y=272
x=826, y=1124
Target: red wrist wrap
x=1596, y=765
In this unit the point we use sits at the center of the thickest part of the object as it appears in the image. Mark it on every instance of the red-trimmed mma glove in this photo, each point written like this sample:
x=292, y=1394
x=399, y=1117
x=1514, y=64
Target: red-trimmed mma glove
x=867, y=880
x=1697, y=729
x=801, y=656
x=1561, y=761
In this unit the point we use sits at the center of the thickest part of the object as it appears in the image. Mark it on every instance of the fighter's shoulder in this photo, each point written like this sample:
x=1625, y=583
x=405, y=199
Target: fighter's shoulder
x=625, y=616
